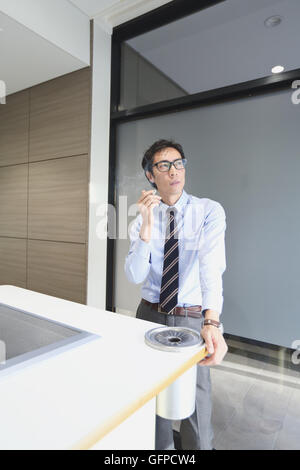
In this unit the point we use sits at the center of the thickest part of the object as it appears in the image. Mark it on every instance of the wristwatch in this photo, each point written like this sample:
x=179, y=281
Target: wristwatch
x=217, y=324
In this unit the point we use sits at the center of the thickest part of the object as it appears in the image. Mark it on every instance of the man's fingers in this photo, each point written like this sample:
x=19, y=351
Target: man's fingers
x=209, y=343
x=148, y=191
x=149, y=197
x=145, y=194
x=147, y=207
x=151, y=192
x=220, y=351
x=209, y=361
x=154, y=204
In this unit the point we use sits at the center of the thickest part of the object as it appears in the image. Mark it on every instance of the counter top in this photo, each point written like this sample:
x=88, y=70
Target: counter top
x=74, y=398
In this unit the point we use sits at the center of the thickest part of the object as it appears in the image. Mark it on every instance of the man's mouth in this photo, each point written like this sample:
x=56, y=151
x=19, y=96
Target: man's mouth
x=175, y=182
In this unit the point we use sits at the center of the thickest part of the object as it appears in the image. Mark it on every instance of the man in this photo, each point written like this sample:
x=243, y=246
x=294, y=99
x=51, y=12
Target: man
x=177, y=250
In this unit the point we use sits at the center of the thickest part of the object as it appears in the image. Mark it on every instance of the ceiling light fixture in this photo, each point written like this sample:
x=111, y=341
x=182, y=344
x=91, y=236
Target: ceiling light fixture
x=273, y=21
x=277, y=69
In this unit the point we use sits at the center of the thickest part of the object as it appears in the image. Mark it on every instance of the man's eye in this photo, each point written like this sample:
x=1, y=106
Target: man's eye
x=164, y=165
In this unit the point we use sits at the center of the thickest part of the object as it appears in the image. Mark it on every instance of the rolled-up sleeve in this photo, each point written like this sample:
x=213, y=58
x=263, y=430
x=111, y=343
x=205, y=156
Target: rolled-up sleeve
x=212, y=260
x=137, y=263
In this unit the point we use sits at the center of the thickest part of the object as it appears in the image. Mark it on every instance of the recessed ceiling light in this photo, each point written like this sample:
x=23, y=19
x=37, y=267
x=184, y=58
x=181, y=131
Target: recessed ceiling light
x=273, y=21
x=277, y=69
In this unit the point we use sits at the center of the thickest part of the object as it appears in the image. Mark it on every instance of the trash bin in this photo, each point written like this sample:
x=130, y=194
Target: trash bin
x=177, y=401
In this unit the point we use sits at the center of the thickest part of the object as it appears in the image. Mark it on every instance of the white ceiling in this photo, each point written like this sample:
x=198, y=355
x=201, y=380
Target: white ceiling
x=28, y=59
x=225, y=44
x=110, y=13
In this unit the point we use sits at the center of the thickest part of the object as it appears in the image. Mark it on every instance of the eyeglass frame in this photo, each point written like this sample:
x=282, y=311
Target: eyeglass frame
x=183, y=160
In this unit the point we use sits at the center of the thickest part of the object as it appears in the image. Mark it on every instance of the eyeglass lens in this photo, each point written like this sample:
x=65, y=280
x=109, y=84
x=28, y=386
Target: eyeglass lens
x=166, y=166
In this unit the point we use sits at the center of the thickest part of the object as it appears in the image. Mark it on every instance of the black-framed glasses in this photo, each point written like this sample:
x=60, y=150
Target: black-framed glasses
x=165, y=165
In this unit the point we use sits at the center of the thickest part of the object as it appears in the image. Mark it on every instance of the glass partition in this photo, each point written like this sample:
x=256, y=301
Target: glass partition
x=229, y=43
x=243, y=154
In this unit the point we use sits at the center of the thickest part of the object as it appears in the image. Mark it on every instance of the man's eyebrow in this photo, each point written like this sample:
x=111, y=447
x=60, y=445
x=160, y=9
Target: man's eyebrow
x=168, y=161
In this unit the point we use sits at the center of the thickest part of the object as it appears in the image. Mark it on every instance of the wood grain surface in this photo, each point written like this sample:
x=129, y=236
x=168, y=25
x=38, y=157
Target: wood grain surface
x=13, y=261
x=13, y=201
x=59, y=117
x=14, y=128
x=57, y=269
x=57, y=206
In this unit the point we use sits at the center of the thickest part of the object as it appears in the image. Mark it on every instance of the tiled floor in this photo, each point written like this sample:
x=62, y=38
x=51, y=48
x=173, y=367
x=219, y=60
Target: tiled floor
x=255, y=405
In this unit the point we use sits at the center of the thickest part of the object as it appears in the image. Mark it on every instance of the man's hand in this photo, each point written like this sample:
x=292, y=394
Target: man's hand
x=215, y=345
x=146, y=204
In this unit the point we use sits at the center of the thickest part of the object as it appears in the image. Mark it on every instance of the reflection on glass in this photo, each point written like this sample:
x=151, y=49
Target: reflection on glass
x=225, y=44
x=142, y=82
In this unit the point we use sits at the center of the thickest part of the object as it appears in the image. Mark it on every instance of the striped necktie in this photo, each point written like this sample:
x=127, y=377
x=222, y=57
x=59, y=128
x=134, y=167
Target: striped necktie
x=169, y=281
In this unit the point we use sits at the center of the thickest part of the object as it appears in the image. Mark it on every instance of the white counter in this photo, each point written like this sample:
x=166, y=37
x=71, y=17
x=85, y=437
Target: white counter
x=75, y=398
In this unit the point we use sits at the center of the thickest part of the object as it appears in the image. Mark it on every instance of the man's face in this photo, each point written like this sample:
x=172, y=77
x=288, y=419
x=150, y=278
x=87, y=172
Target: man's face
x=169, y=182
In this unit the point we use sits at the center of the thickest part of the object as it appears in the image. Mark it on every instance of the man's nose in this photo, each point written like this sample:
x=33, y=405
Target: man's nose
x=172, y=170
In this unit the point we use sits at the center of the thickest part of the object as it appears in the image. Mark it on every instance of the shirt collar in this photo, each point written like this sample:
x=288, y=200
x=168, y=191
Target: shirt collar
x=182, y=201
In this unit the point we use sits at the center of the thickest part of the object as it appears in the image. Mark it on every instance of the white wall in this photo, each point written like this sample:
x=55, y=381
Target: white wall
x=57, y=21
x=96, y=288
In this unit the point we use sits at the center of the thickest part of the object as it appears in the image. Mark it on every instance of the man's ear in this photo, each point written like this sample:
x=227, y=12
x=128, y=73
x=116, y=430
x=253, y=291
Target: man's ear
x=149, y=176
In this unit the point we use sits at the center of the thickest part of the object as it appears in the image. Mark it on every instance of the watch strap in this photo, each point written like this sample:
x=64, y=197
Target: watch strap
x=215, y=323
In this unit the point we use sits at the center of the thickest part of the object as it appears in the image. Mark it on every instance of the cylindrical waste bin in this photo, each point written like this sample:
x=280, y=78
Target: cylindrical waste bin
x=177, y=401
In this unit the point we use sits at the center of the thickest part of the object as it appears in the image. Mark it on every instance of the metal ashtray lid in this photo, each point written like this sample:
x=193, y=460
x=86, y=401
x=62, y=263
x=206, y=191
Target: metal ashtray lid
x=174, y=338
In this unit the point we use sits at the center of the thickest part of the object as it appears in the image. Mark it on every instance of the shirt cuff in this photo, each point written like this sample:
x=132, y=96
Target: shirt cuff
x=209, y=302
x=142, y=248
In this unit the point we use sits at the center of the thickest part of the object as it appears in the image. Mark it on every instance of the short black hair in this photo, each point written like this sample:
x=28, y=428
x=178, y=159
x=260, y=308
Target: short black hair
x=158, y=146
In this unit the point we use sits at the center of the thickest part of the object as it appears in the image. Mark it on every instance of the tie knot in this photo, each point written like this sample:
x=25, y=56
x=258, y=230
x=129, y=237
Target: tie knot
x=171, y=211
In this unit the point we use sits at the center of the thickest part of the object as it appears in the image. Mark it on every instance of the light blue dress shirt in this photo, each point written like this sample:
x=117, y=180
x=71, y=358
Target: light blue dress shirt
x=201, y=233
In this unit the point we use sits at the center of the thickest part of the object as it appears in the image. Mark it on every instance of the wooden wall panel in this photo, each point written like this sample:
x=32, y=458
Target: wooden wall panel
x=60, y=116
x=58, y=195
x=44, y=166
x=14, y=126
x=57, y=269
x=13, y=201
x=13, y=261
